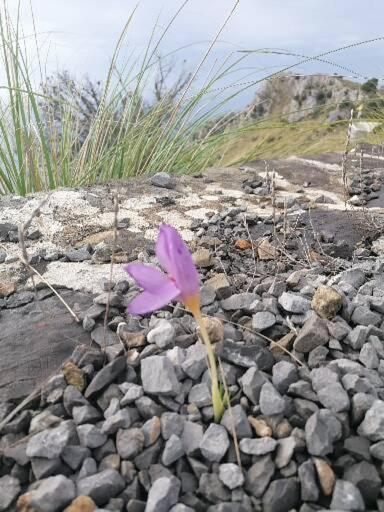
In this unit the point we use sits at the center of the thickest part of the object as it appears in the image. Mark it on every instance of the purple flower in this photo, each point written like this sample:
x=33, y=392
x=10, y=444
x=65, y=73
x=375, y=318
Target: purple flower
x=180, y=282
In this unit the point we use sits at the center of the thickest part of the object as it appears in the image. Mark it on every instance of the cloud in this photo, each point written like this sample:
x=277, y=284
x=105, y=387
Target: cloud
x=82, y=33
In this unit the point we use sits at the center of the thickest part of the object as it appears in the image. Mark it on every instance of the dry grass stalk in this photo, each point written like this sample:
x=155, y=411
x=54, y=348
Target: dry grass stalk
x=234, y=433
x=345, y=158
x=114, y=245
x=24, y=256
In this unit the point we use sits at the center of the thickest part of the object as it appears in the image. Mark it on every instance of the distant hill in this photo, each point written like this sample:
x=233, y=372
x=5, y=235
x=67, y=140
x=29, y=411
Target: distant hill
x=304, y=115
x=300, y=97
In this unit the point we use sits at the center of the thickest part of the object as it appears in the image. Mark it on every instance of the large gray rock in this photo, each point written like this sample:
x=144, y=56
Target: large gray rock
x=130, y=442
x=284, y=373
x=245, y=355
x=163, y=494
x=214, y=443
x=173, y=450
x=195, y=362
x=22, y=370
x=367, y=479
x=334, y=397
x=307, y=476
x=158, y=376
x=294, y=303
x=163, y=335
x=9, y=490
x=271, y=402
x=263, y=320
x=163, y=180
x=239, y=301
x=346, y=496
x=231, y=475
x=251, y=383
x=260, y=446
x=321, y=431
x=53, y=494
x=282, y=495
x=105, y=376
x=259, y=475
x=314, y=333
x=372, y=427
x=102, y=486
x=235, y=419
x=50, y=443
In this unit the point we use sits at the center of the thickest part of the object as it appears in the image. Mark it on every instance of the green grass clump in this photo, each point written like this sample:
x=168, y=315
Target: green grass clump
x=125, y=137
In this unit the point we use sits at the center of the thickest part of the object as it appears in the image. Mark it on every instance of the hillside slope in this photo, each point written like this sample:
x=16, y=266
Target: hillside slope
x=302, y=115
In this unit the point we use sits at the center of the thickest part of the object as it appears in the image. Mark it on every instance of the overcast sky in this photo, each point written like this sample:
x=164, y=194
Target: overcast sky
x=79, y=35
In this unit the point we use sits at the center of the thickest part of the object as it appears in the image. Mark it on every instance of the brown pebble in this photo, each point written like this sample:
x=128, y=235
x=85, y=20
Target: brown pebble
x=215, y=329
x=261, y=427
x=327, y=477
x=74, y=376
x=81, y=504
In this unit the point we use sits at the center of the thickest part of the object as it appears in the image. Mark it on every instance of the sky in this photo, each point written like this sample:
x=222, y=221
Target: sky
x=80, y=35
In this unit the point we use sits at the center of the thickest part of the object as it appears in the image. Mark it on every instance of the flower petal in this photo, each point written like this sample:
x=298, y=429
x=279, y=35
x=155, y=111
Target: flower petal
x=163, y=249
x=148, y=277
x=147, y=301
x=175, y=257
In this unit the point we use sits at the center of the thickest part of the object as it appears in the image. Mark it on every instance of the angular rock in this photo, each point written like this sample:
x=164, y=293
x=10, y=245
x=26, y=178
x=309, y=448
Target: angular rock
x=321, y=431
x=307, y=476
x=163, y=335
x=367, y=479
x=372, y=427
x=192, y=437
x=158, y=376
x=91, y=436
x=9, y=490
x=235, y=419
x=122, y=419
x=334, y=397
x=282, y=495
x=130, y=442
x=163, y=494
x=245, y=356
x=294, y=303
x=284, y=374
x=251, y=383
x=105, y=376
x=231, y=475
x=212, y=489
x=52, y=495
x=258, y=446
x=102, y=486
x=239, y=301
x=214, y=443
x=346, y=496
x=314, y=333
x=259, y=475
x=50, y=443
x=357, y=337
x=263, y=320
x=271, y=402
x=163, y=180
x=195, y=362
x=173, y=450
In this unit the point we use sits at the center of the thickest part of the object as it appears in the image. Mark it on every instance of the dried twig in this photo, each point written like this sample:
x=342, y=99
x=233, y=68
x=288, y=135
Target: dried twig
x=24, y=256
x=233, y=424
x=114, y=244
x=253, y=252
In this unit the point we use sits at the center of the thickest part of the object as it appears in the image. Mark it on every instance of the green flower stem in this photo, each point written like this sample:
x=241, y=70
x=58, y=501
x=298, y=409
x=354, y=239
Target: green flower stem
x=217, y=401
